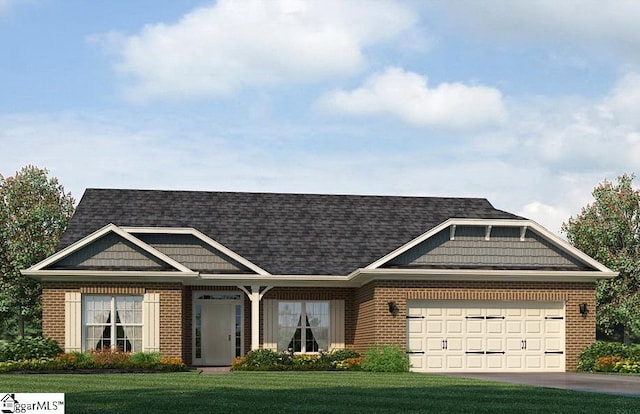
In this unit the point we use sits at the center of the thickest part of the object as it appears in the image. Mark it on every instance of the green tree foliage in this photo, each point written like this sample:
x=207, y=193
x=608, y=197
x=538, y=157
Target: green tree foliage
x=609, y=231
x=34, y=212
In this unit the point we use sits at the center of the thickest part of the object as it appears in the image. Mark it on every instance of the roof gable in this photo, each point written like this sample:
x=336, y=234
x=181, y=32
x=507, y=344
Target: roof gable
x=489, y=244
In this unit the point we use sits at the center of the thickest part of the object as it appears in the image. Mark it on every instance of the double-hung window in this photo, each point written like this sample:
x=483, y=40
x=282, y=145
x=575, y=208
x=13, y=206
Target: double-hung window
x=112, y=322
x=303, y=326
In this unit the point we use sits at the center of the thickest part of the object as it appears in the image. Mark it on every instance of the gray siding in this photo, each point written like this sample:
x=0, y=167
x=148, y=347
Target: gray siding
x=111, y=252
x=504, y=249
x=193, y=253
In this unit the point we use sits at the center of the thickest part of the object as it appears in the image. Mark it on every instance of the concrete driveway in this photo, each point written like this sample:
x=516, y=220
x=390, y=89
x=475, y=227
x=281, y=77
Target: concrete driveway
x=605, y=384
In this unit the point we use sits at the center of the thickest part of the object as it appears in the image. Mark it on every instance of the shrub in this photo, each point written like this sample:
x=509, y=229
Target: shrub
x=145, y=359
x=386, y=358
x=28, y=348
x=265, y=360
x=607, y=363
x=589, y=356
x=268, y=360
x=628, y=366
x=108, y=358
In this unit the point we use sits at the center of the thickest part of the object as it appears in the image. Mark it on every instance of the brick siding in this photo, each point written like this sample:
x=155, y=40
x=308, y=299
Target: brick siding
x=375, y=325
x=171, y=331
x=367, y=317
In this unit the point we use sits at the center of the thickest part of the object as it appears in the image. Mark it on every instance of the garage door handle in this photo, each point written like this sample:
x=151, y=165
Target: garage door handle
x=415, y=352
x=474, y=352
x=494, y=352
x=495, y=317
x=554, y=352
x=474, y=317
x=414, y=317
x=554, y=317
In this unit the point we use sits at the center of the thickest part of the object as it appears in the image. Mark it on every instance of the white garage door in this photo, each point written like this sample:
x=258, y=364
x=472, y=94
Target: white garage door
x=467, y=336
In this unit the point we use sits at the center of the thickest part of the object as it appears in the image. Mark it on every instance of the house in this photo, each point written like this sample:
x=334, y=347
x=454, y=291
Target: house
x=208, y=276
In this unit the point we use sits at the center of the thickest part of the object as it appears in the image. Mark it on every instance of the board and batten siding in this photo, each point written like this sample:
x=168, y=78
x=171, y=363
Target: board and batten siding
x=193, y=253
x=336, y=324
x=111, y=251
x=470, y=248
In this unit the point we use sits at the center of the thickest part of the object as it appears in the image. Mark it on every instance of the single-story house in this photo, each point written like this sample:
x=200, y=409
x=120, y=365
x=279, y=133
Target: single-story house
x=208, y=276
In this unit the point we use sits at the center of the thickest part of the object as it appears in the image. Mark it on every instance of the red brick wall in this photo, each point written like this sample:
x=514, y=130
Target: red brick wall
x=367, y=317
x=375, y=325
x=170, y=308
x=345, y=294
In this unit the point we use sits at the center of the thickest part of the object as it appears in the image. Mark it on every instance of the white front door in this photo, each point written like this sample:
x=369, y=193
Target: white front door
x=485, y=336
x=218, y=333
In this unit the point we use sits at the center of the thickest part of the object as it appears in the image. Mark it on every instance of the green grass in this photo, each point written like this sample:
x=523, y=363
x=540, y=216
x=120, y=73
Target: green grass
x=307, y=392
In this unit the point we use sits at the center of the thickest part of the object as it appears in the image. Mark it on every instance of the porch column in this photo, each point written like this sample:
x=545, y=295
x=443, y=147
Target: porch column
x=255, y=296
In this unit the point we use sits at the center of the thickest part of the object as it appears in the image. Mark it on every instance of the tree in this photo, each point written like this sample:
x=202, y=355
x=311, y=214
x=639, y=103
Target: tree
x=609, y=231
x=34, y=212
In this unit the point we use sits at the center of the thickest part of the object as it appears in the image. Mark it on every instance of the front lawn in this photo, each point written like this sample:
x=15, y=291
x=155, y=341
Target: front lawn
x=306, y=392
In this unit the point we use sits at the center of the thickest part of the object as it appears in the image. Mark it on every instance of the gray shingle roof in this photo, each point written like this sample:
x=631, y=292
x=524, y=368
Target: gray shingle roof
x=282, y=233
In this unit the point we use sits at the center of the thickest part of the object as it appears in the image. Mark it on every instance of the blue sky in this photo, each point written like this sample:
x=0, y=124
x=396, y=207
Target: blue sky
x=529, y=104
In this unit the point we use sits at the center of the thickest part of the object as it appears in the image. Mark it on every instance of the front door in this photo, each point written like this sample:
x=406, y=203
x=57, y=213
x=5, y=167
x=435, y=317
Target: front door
x=217, y=327
x=217, y=333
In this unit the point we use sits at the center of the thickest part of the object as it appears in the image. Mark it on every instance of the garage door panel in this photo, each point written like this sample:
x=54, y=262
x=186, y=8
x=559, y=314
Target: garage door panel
x=513, y=362
x=433, y=344
x=533, y=361
x=416, y=362
x=416, y=326
x=495, y=362
x=454, y=327
x=434, y=362
x=534, y=344
x=474, y=326
x=533, y=327
x=495, y=326
x=553, y=344
x=553, y=326
x=454, y=362
x=435, y=327
x=495, y=344
x=416, y=344
x=474, y=344
x=514, y=326
x=513, y=344
x=455, y=344
x=554, y=362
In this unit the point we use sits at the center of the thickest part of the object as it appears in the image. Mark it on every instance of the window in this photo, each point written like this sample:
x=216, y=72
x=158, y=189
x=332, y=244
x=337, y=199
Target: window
x=303, y=326
x=112, y=322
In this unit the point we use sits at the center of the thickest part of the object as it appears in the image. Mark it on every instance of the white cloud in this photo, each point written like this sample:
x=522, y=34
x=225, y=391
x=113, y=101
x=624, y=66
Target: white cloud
x=229, y=45
x=407, y=96
x=593, y=24
x=623, y=103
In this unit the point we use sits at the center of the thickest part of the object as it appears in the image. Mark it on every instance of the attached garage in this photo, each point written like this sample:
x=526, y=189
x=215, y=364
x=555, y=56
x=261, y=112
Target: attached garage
x=499, y=336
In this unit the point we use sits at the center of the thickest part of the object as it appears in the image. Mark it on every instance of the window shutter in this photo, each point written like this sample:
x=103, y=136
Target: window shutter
x=336, y=324
x=72, y=322
x=270, y=323
x=151, y=322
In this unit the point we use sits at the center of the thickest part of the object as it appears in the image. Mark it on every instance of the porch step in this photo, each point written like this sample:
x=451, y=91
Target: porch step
x=214, y=370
